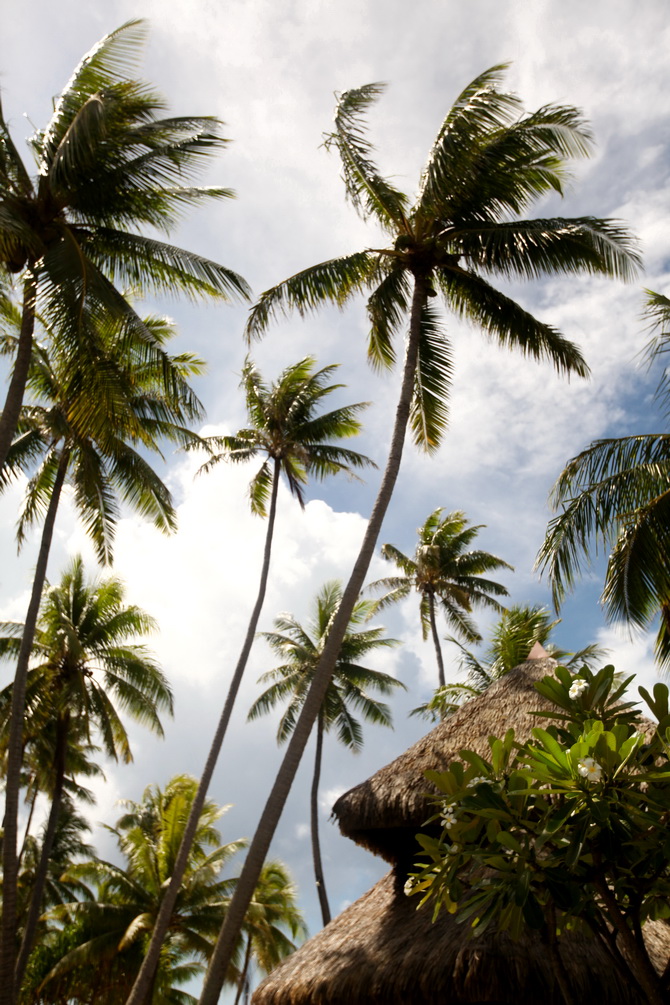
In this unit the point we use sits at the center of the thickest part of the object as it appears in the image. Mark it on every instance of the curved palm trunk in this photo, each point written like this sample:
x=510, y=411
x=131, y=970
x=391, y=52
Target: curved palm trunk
x=15, y=748
x=41, y=875
x=436, y=641
x=140, y=989
x=314, y=813
x=17, y=385
x=274, y=806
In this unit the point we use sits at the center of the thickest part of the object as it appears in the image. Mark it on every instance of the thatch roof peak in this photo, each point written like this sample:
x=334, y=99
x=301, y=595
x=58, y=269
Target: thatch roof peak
x=385, y=812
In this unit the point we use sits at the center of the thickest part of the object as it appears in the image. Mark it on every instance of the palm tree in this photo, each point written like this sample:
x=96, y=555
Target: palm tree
x=107, y=166
x=294, y=439
x=272, y=922
x=68, y=846
x=115, y=925
x=511, y=640
x=615, y=495
x=146, y=397
x=488, y=163
x=348, y=688
x=87, y=659
x=443, y=572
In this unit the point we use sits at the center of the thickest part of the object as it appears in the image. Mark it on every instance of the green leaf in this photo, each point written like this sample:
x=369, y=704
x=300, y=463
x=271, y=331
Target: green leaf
x=508, y=840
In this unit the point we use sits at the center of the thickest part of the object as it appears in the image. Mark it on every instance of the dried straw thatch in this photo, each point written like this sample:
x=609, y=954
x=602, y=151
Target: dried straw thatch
x=384, y=813
x=383, y=951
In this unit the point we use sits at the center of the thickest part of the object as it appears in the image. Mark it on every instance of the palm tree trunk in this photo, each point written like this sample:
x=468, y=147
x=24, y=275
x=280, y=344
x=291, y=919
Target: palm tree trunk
x=244, y=976
x=45, y=854
x=15, y=747
x=26, y=832
x=17, y=385
x=140, y=988
x=274, y=806
x=436, y=641
x=314, y=813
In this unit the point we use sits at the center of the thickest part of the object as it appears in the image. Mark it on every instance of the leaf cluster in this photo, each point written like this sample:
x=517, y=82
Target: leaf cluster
x=569, y=829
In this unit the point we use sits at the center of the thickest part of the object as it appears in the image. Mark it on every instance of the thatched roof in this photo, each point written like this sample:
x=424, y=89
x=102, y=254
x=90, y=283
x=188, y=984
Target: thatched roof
x=384, y=813
x=383, y=951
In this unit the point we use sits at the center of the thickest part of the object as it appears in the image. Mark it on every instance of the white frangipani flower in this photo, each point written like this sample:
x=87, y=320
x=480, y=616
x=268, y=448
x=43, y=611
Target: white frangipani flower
x=478, y=779
x=589, y=769
x=577, y=687
x=448, y=817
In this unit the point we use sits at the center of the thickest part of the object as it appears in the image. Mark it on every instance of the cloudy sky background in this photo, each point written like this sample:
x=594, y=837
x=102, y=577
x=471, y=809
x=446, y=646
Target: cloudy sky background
x=269, y=70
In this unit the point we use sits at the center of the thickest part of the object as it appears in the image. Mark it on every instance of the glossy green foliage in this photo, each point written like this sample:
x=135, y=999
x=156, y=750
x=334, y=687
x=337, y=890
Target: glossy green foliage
x=566, y=830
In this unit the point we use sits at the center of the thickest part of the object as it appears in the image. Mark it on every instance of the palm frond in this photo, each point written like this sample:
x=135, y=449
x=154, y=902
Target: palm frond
x=335, y=281
x=429, y=411
x=369, y=193
x=599, y=491
x=531, y=249
x=387, y=307
x=480, y=109
x=470, y=297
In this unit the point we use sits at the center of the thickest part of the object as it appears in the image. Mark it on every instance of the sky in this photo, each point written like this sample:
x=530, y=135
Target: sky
x=270, y=69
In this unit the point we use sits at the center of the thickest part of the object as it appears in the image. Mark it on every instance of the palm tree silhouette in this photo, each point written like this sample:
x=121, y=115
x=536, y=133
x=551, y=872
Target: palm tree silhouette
x=295, y=439
x=444, y=574
x=87, y=660
x=108, y=167
x=348, y=689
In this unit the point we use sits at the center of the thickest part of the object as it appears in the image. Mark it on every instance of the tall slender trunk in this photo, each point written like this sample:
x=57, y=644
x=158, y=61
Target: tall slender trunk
x=26, y=832
x=436, y=640
x=37, y=896
x=243, y=982
x=314, y=814
x=140, y=988
x=15, y=747
x=220, y=960
x=14, y=399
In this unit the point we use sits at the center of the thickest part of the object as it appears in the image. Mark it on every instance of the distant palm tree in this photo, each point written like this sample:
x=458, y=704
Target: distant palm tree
x=444, y=574
x=108, y=168
x=348, y=689
x=114, y=927
x=511, y=639
x=272, y=922
x=87, y=658
x=141, y=396
x=488, y=163
x=615, y=496
x=68, y=846
x=294, y=439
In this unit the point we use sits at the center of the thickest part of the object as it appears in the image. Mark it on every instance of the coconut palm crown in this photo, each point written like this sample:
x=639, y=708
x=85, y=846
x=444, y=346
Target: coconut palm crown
x=489, y=162
x=289, y=432
x=446, y=576
x=511, y=639
x=110, y=172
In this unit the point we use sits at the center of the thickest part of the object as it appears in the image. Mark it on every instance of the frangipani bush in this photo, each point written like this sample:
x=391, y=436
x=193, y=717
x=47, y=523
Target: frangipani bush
x=570, y=829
